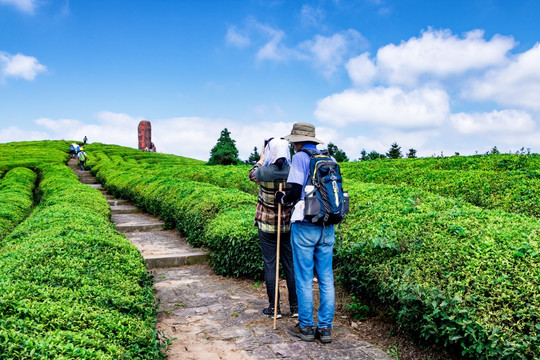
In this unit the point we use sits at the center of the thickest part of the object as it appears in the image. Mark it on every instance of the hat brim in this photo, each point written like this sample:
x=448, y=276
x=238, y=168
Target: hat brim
x=302, y=138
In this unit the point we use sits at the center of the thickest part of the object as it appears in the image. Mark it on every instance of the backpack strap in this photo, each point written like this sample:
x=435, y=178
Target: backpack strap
x=312, y=153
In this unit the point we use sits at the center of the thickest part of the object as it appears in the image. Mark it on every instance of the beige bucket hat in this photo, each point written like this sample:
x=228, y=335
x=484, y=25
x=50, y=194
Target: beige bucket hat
x=302, y=131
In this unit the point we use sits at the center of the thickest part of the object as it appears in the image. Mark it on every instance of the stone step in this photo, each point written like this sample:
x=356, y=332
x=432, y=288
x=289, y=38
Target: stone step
x=96, y=186
x=88, y=180
x=165, y=248
x=136, y=222
x=124, y=209
x=115, y=202
x=175, y=260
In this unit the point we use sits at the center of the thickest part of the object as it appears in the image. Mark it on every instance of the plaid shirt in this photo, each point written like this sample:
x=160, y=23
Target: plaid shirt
x=267, y=212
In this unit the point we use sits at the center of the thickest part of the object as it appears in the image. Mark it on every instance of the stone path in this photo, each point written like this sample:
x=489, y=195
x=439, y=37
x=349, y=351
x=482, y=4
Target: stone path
x=211, y=317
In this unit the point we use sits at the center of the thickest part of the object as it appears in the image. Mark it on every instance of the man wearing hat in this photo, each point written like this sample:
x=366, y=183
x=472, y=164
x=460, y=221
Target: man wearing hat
x=312, y=245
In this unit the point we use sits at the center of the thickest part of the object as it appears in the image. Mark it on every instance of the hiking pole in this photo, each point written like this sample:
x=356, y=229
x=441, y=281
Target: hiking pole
x=277, y=260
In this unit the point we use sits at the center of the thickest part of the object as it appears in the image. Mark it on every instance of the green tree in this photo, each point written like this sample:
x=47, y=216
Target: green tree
x=225, y=151
x=373, y=155
x=291, y=149
x=337, y=153
x=254, y=156
x=394, y=152
x=411, y=154
x=363, y=155
x=493, y=151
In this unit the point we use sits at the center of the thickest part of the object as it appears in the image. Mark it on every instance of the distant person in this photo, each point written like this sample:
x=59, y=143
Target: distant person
x=72, y=152
x=84, y=141
x=269, y=172
x=82, y=157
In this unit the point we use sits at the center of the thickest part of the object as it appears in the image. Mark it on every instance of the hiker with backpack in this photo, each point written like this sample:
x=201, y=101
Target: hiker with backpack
x=269, y=172
x=82, y=157
x=319, y=203
x=72, y=150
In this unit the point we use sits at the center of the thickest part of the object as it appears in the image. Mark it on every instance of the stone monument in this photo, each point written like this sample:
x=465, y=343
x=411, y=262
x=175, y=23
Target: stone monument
x=145, y=136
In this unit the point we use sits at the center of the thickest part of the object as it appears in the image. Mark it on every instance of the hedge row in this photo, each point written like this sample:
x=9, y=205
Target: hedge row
x=494, y=162
x=451, y=272
x=16, y=198
x=210, y=216
x=511, y=191
x=71, y=287
x=33, y=154
x=169, y=165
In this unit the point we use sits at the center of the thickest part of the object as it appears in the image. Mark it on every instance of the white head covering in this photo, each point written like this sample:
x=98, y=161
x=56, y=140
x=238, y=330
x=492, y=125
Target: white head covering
x=275, y=149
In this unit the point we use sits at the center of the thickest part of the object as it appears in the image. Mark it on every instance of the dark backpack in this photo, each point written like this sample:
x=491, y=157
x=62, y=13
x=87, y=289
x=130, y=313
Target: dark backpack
x=326, y=203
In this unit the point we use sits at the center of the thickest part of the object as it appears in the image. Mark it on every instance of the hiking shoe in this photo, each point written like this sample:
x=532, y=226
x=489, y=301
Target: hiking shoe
x=294, y=312
x=269, y=313
x=324, y=335
x=306, y=334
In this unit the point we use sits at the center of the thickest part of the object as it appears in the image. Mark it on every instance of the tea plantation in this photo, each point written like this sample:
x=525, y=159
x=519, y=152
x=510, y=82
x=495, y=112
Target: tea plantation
x=71, y=287
x=449, y=246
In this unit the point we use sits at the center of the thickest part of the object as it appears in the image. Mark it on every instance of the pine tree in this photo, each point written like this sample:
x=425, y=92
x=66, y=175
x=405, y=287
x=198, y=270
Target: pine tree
x=254, y=156
x=363, y=155
x=225, y=151
x=411, y=154
x=394, y=152
x=337, y=153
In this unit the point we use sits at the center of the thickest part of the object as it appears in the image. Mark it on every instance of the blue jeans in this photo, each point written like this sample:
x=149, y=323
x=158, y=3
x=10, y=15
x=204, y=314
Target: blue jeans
x=313, y=248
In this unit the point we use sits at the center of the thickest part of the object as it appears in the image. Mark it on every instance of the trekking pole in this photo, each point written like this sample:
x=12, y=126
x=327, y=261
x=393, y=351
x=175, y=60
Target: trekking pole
x=277, y=260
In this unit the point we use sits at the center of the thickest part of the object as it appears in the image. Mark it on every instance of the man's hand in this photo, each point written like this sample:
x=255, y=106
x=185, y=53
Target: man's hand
x=279, y=198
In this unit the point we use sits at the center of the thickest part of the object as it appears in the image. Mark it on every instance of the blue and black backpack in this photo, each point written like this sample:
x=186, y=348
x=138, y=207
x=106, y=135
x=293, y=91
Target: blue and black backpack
x=326, y=203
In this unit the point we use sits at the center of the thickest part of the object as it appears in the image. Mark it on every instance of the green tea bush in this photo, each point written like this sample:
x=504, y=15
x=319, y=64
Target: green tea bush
x=33, y=154
x=71, y=286
x=235, y=177
x=448, y=271
x=235, y=243
x=210, y=216
x=516, y=190
x=16, y=198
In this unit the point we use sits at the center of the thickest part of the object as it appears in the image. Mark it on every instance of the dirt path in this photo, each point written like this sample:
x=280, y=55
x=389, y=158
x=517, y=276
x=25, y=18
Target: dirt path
x=211, y=317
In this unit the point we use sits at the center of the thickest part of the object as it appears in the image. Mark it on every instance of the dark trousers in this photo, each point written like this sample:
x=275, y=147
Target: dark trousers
x=268, y=242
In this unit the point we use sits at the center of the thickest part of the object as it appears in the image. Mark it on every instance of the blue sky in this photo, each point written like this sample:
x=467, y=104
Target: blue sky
x=436, y=76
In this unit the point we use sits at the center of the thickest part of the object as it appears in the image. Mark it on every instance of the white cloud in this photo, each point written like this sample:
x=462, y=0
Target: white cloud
x=329, y=52
x=517, y=84
x=111, y=128
x=503, y=122
x=14, y=133
x=310, y=16
x=273, y=49
x=425, y=107
x=381, y=141
x=439, y=53
x=27, y=6
x=236, y=38
x=20, y=66
x=326, y=53
x=361, y=69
